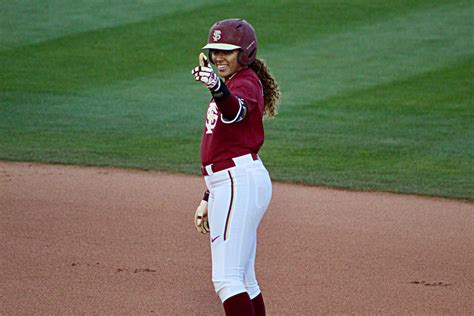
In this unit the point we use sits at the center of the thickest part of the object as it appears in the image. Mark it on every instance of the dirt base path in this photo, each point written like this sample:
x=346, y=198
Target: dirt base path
x=87, y=241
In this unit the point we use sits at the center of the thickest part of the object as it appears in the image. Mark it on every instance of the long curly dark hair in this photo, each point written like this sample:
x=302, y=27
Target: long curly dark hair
x=271, y=90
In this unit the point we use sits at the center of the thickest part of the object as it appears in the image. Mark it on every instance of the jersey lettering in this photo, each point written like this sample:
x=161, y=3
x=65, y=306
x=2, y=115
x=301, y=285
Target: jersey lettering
x=212, y=117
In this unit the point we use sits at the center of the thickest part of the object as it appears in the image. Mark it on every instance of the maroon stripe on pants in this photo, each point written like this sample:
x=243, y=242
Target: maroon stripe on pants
x=231, y=205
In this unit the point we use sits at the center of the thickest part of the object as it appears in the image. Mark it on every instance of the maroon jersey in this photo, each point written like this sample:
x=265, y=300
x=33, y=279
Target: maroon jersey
x=228, y=137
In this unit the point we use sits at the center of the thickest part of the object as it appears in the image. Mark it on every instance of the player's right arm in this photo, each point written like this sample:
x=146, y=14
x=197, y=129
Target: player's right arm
x=232, y=108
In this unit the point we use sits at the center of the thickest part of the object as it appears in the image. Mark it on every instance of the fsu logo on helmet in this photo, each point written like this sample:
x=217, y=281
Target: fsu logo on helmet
x=216, y=35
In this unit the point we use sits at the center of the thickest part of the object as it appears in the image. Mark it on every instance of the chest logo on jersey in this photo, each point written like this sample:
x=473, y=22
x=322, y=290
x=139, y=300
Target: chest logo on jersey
x=212, y=116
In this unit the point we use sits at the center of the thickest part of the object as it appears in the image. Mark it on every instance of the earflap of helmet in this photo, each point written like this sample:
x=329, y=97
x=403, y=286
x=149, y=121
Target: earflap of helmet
x=246, y=59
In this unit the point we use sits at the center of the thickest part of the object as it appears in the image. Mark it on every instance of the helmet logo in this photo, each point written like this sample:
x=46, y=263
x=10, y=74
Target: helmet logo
x=216, y=35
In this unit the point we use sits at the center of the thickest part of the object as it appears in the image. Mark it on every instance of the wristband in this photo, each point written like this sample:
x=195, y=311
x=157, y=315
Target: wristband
x=220, y=91
x=206, y=196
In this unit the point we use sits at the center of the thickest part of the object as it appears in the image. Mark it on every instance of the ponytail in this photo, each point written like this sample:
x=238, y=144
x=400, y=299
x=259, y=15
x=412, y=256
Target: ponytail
x=271, y=90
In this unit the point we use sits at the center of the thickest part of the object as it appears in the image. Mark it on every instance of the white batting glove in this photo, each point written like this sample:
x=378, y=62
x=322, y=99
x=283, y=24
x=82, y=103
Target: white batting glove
x=207, y=76
x=200, y=218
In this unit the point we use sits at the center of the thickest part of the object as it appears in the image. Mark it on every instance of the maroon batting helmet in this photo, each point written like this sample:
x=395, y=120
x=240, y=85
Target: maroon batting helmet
x=234, y=34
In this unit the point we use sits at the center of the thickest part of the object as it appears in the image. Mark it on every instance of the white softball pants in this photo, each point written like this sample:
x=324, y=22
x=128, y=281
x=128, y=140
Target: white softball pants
x=238, y=199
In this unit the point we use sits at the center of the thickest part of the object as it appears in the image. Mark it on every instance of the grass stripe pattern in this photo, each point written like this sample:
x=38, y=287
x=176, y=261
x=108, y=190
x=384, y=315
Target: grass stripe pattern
x=377, y=95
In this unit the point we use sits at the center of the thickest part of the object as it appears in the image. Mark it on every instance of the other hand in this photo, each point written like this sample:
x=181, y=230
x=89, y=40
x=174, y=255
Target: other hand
x=200, y=218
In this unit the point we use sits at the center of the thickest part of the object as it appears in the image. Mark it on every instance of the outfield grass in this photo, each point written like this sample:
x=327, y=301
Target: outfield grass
x=376, y=95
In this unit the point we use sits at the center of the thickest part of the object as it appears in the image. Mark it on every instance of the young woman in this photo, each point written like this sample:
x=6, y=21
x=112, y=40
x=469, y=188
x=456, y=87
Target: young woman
x=239, y=187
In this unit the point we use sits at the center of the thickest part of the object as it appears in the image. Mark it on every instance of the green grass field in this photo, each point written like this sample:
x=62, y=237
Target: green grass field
x=377, y=95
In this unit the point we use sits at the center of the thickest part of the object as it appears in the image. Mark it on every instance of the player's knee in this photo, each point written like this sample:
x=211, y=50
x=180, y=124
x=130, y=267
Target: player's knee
x=228, y=288
x=253, y=289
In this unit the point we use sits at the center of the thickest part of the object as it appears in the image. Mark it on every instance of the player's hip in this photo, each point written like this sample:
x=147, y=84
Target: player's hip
x=227, y=163
x=243, y=171
x=247, y=184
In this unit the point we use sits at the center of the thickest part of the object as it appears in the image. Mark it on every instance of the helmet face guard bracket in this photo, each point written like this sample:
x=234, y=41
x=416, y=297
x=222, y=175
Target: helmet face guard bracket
x=233, y=34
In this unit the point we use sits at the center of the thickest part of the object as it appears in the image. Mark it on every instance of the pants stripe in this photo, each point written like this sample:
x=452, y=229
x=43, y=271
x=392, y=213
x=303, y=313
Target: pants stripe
x=231, y=206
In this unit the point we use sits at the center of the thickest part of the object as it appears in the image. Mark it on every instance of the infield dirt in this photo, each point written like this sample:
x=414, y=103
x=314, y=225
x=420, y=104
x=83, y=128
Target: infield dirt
x=86, y=240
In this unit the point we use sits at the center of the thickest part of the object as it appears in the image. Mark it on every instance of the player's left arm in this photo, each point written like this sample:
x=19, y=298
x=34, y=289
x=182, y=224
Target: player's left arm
x=201, y=219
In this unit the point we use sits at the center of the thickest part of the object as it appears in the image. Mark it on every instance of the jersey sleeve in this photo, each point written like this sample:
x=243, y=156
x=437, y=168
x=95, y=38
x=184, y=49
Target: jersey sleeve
x=247, y=90
x=236, y=101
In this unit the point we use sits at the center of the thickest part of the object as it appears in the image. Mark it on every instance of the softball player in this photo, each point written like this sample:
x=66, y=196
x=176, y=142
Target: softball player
x=239, y=187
